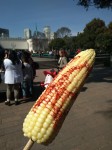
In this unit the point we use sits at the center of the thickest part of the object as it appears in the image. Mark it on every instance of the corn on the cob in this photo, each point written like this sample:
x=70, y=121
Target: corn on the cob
x=45, y=114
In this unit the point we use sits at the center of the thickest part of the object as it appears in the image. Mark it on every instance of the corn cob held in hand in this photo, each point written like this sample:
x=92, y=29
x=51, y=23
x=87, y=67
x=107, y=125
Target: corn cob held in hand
x=45, y=114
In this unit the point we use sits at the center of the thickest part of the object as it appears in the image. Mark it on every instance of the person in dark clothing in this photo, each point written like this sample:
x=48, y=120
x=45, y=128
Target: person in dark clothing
x=27, y=84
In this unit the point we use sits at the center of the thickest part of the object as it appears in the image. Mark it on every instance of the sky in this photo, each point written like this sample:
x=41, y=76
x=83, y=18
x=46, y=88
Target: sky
x=16, y=15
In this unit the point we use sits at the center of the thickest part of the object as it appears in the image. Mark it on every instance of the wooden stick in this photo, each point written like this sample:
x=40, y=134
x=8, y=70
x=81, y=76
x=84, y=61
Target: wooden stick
x=29, y=145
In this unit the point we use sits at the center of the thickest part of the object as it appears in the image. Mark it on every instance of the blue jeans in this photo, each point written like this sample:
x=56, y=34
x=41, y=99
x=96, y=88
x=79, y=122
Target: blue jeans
x=27, y=88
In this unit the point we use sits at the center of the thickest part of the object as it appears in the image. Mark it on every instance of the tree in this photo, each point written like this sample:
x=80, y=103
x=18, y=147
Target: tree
x=68, y=42
x=97, y=36
x=87, y=38
x=96, y=3
x=110, y=27
x=104, y=40
x=62, y=32
x=57, y=43
x=95, y=26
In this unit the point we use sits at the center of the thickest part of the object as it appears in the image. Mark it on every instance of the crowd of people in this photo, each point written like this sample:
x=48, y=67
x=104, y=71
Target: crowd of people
x=19, y=72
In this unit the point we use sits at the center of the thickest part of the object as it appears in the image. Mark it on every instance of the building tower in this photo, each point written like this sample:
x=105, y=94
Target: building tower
x=47, y=32
x=27, y=33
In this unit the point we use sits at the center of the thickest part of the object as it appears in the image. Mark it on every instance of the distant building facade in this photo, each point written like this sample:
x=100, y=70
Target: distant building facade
x=39, y=41
x=52, y=36
x=48, y=34
x=39, y=35
x=27, y=33
x=4, y=33
x=14, y=43
x=33, y=44
x=47, y=31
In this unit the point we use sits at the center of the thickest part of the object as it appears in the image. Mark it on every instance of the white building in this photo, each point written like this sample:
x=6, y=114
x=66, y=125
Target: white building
x=27, y=33
x=14, y=43
x=28, y=42
x=47, y=31
x=52, y=36
x=48, y=34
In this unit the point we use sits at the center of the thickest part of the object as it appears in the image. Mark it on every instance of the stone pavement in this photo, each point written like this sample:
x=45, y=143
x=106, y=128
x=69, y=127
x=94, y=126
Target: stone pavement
x=88, y=125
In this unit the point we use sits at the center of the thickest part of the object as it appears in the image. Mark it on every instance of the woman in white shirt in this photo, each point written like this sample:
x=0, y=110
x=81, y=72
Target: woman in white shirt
x=13, y=75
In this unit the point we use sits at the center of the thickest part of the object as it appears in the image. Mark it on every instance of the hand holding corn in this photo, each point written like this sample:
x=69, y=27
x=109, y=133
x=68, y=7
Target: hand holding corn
x=45, y=114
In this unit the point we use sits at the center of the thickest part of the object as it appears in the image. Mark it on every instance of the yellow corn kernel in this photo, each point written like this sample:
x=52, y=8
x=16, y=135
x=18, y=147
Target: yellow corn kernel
x=45, y=114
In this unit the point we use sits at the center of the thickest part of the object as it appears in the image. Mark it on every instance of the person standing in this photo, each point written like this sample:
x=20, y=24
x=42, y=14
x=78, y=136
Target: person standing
x=13, y=76
x=62, y=59
x=27, y=84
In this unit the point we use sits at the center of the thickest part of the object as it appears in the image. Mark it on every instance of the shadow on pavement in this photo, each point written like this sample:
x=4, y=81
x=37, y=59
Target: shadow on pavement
x=2, y=96
x=37, y=89
x=106, y=113
x=83, y=89
x=47, y=64
x=37, y=92
x=100, y=75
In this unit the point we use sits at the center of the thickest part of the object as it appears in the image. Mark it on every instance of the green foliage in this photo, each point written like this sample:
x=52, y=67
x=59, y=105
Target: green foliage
x=63, y=32
x=96, y=3
x=65, y=43
x=95, y=35
x=94, y=26
x=104, y=42
x=110, y=27
x=57, y=43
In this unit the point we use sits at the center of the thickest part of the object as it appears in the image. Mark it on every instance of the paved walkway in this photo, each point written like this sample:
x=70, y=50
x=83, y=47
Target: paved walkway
x=88, y=125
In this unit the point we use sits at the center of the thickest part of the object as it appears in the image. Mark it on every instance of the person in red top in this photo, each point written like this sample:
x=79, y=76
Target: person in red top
x=78, y=51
